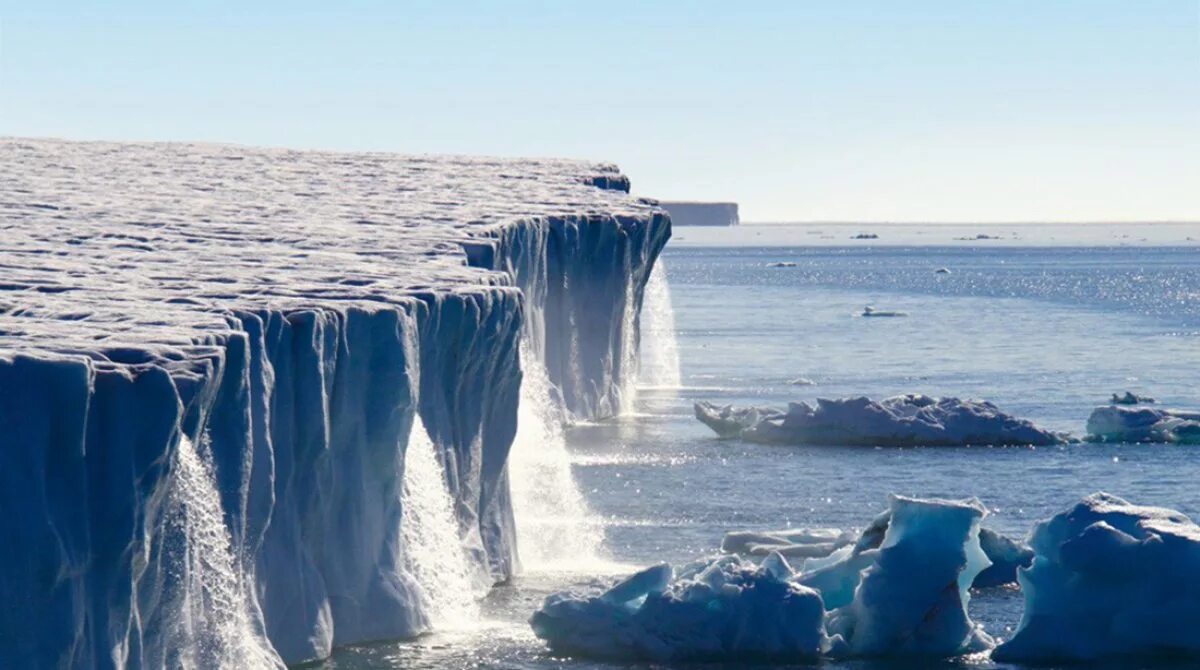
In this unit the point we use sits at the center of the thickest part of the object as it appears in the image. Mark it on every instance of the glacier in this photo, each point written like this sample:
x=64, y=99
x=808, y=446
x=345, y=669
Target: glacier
x=898, y=421
x=217, y=363
x=1124, y=423
x=1110, y=580
x=901, y=590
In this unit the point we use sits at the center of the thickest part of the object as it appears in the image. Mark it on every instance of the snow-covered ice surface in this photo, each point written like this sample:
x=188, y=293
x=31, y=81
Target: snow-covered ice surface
x=1111, y=579
x=1125, y=423
x=899, y=421
x=293, y=313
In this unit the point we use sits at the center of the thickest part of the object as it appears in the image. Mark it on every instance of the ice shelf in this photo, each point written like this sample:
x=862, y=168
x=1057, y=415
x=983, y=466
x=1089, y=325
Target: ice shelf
x=211, y=359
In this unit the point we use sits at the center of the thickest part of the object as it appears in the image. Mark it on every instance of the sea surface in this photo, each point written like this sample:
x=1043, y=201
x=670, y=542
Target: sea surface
x=1046, y=332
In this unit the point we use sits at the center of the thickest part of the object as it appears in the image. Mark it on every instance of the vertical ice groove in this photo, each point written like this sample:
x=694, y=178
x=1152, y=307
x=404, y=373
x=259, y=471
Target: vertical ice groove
x=433, y=548
x=659, y=347
x=209, y=613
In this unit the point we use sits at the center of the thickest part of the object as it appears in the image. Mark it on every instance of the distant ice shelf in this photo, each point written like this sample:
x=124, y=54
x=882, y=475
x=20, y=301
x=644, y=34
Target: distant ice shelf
x=907, y=420
x=212, y=358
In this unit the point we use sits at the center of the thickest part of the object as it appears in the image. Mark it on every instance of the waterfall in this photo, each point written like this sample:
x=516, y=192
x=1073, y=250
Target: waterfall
x=627, y=383
x=208, y=622
x=555, y=528
x=433, y=547
x=659, y=347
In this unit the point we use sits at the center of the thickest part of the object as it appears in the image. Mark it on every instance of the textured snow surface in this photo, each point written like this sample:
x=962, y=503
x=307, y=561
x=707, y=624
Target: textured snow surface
x=289, y=314
x=907, y=420
x=900, y=590
x=1110, y=579
x=1124, y=423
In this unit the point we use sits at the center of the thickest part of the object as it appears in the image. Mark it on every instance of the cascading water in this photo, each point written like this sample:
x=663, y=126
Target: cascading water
x=627, y=383
x=659, y=347
x=208, y=622
x=433, y=548
x=555, y=528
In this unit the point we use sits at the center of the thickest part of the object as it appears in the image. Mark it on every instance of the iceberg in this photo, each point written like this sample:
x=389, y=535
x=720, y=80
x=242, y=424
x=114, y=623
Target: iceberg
x=912, y=599
x=899, y=421
x=725, y=609
x=1110, y=579
x=900, y=590
x=211, y=362
x=1122, y=423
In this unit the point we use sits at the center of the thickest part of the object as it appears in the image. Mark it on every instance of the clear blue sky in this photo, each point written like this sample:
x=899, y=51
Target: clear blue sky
x=845, y=110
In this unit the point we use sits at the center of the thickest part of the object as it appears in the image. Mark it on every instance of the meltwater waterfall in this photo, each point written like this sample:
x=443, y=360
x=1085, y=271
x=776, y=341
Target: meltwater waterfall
x=555, y=527
x=432, y=544
x=202, y=599
x=659, y=347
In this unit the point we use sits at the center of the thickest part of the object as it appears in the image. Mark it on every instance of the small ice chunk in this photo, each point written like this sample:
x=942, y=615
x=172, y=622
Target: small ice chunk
x=872, y=312
x=781, y=264
x=1110, y=579
x=1131, y=398
x=802, y=381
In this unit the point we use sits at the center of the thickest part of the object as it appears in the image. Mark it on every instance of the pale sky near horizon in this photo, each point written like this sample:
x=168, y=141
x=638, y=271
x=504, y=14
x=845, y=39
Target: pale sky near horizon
x=929, y=110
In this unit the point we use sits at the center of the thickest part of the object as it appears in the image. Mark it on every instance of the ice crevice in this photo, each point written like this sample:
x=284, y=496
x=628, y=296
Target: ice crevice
x=243, y=390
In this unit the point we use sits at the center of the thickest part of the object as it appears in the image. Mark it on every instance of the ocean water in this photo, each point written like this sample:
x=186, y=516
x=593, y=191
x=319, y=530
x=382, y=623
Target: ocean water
x=1045, y=332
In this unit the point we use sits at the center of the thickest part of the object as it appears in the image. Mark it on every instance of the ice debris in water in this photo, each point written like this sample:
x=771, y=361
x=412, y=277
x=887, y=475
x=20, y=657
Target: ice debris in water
x=1121, y=423
x=1110, y=579
x=791, y=543
x=723, y=609
x=901, y=421
x=871, y=311
x=901, y=589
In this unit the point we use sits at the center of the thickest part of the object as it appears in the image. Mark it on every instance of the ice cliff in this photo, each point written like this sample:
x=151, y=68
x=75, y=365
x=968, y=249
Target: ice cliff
x=899, y=421
x=211, y=362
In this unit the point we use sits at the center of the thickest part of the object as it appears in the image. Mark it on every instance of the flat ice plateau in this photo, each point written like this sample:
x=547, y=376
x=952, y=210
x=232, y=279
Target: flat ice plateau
x=899, y=421
x=211, y=361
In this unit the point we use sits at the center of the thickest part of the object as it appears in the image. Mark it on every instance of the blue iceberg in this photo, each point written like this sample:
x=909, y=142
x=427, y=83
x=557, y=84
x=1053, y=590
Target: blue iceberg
x=1110, y=579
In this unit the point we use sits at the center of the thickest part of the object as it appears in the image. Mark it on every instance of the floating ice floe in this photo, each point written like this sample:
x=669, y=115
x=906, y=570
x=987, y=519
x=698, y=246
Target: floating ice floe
x=1110, y=579
x=781, y=264
x=1122, y=423
x=907, y=420
x=802, y=381
x=901, y=590
x=790, y=543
